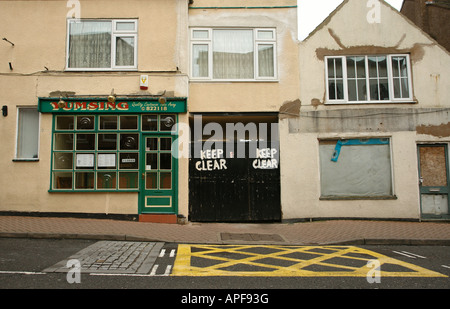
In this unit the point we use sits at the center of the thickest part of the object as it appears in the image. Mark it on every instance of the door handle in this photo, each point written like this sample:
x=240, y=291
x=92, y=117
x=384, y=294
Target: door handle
x=143, y=175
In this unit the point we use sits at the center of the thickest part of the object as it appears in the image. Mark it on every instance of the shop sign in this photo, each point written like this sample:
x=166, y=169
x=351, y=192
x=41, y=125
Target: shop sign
x=90, y=105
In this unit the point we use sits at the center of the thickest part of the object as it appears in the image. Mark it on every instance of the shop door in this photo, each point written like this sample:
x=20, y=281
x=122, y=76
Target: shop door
x=227, y=188
x=434, y=181
x=158, y=175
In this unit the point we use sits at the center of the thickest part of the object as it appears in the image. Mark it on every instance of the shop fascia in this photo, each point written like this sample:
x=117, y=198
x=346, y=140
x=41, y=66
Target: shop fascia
x=99, y=105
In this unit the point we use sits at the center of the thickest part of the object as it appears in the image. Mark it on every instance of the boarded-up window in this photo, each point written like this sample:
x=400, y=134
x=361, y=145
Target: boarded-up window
x=433, y=167
x=355, y=169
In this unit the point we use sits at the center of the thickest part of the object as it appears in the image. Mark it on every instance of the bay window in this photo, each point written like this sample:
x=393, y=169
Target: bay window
x=368, y=79
x=233, y=54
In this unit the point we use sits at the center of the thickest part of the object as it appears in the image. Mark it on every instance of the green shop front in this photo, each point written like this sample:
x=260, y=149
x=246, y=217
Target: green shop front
x=120, y=145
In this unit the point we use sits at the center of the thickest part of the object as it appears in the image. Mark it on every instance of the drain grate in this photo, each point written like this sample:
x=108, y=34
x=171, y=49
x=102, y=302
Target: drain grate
x=250, y=237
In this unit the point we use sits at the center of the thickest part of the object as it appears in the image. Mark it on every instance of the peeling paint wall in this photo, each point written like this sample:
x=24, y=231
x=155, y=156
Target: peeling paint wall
x=348, y=32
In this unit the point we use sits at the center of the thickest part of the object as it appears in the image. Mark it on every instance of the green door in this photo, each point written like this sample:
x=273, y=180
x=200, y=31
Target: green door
x=158, y=173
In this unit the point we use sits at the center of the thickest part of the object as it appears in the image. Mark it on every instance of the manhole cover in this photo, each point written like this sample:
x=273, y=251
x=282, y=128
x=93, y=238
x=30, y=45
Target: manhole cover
x=250, y=237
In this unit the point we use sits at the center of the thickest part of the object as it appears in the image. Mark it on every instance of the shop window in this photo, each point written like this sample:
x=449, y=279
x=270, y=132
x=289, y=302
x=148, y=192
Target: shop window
x=368, y=79
x=102, y=152
x=102, y=45
x=233, y=54
x=355, y=169
x=27, y=134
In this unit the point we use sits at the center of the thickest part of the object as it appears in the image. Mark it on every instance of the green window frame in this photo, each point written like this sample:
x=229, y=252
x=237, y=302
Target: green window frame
x=100, y=152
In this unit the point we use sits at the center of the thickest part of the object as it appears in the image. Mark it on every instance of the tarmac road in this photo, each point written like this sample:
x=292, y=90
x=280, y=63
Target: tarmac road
x=23, y=263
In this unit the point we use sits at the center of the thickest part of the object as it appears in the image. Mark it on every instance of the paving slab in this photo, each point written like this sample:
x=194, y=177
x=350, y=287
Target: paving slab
x=113, y=257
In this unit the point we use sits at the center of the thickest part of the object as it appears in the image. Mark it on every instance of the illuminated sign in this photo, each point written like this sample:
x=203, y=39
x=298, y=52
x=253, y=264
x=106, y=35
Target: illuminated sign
x=79, y=105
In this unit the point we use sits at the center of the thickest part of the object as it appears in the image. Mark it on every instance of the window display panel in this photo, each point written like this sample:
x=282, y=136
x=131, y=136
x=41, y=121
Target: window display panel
x=106, y=180
x=85, y=122
x=129, y=160
x=108, y=122
x=85, y=142
x=64, y=123
x=129, y=141
x=88, y=158
x=107, y=142
x=62, y=180
x=62, y=161
x=149, y=123
x=84, y=180
x=128, y=122
x=128, y=180
x=63, y=141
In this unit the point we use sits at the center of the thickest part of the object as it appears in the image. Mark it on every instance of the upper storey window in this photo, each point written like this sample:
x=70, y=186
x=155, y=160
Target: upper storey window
x=368, y=79
x=102, y=45
x=233, y=54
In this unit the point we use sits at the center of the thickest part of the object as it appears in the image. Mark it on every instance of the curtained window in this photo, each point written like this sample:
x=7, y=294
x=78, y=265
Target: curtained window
x=27, y=133
x=233, y=54
x=102, y=44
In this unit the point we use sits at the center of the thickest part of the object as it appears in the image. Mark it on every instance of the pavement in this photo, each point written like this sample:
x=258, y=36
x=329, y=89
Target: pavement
x=326, y=232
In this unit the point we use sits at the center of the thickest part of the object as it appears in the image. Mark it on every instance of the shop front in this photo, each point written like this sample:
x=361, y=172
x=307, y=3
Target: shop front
x=115, y=146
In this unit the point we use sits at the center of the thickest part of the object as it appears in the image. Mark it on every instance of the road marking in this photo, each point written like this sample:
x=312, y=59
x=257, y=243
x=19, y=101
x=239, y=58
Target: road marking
x=288, y=261
x=155, y=267
x=168, y=268
x=404, y=254
x=161, y=254
x=413, y=254
x=152, y=273
x=172, y=253
x=446, y=266
x=21, y=272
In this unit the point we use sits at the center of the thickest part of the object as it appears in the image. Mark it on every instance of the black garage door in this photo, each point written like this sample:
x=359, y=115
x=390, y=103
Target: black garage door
x=230, y=184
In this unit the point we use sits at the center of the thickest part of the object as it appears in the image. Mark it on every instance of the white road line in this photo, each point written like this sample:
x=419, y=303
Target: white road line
x=422, y=257
x=172, y=253
x=154, y=270
x=21, y=272
x=161, y=254
x=410, y=256
x=152, y=274
x=168, y=268
x=446, y=266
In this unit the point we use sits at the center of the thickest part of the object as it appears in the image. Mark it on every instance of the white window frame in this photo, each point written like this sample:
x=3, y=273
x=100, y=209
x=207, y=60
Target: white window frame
x=390, y=78
x=114, y=34
x=256, y=43
x=16, y=148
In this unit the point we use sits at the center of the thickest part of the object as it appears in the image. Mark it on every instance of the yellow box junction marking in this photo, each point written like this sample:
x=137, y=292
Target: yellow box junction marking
x=288, y=261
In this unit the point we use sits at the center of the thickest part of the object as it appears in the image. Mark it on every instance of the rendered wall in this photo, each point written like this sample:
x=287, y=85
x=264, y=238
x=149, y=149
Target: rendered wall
x=38, y=31
x=348, y=32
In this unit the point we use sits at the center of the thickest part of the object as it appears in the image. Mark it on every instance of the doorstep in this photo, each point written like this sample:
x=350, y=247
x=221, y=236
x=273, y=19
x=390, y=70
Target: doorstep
x=158, y=218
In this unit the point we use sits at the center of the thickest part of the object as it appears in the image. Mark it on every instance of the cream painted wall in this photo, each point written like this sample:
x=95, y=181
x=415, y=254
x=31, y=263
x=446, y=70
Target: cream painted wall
x=267, y=96
x=38, y=30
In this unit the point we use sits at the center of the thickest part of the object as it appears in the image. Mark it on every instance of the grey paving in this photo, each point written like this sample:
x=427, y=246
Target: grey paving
x=326, y=232
x=113, y=257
